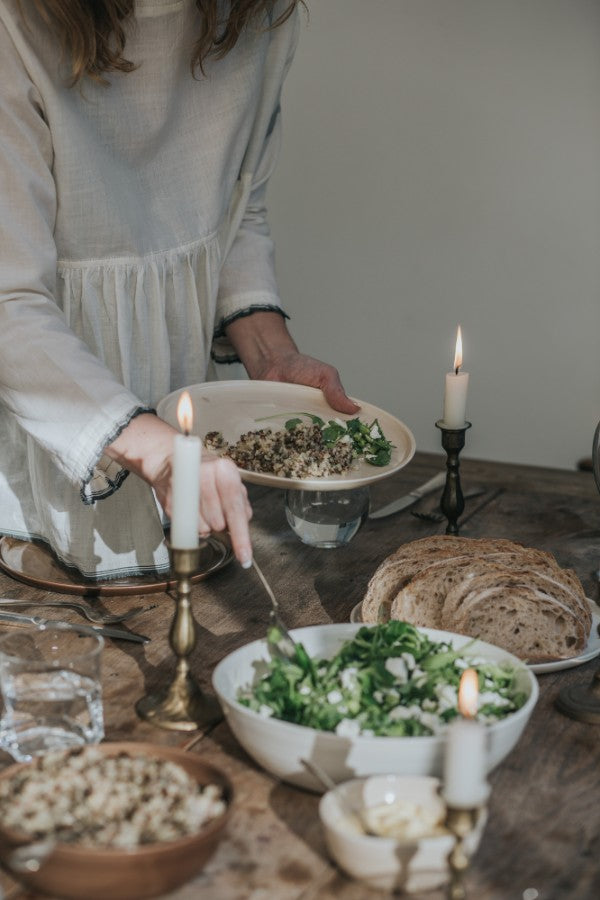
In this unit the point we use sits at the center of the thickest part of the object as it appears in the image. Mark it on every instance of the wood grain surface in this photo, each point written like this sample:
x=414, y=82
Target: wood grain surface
x=543, y=833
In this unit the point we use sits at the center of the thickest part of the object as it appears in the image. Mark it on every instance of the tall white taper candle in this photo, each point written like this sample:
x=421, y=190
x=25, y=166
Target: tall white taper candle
x=455, y=393
x=187, y=452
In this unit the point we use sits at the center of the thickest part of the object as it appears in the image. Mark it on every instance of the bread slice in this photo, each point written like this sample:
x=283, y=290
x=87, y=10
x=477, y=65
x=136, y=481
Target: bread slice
x=397, y=569
x=535, y=568
x=421, y=600
x=522, y=618
x=410, y=559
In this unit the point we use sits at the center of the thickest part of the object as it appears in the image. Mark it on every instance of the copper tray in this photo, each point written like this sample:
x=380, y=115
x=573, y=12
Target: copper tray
x=35, y=564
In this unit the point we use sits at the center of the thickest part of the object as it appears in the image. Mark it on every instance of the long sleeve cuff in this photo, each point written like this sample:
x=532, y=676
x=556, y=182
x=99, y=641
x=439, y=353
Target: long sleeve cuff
x=222, y=349
x=105, y=475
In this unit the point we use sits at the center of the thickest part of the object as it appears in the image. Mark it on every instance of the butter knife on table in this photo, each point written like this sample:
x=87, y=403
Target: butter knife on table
x=411, y=498
x=105, y=630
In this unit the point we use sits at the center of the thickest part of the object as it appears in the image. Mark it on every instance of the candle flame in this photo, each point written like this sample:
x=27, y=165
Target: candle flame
x=458, y=351
x=185, y=415
x=468, y=693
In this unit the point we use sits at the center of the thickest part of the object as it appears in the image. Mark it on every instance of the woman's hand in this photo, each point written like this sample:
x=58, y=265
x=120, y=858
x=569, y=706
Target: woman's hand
x=146, y=448
x=268, y=352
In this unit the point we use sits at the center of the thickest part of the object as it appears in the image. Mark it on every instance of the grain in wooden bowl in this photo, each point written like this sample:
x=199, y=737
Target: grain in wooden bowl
x=157, y=849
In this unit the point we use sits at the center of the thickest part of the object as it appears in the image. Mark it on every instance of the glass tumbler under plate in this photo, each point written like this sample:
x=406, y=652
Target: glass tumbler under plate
x=327, y=519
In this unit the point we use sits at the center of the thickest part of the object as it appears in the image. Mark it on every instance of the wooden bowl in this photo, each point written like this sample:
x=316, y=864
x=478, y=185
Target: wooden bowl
x=72, y=872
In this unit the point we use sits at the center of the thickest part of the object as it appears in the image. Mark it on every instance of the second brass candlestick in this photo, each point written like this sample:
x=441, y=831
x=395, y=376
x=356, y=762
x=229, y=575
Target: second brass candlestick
x=581, y=703
x=182, y=706
x=461, y=823
x=452, y=501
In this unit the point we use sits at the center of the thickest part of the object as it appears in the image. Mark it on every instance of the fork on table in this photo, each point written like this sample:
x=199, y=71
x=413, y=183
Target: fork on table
x=97, y=616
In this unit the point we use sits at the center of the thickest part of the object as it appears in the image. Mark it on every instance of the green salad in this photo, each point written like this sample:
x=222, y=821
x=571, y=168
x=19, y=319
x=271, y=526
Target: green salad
x=389, y=680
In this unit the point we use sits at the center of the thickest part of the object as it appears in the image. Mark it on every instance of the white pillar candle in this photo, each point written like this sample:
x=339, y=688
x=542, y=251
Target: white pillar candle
x=455, y=393
x=185, y=483
x=465, y=785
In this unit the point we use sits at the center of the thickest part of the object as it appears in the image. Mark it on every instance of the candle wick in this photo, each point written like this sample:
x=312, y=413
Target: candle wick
x=456, y=370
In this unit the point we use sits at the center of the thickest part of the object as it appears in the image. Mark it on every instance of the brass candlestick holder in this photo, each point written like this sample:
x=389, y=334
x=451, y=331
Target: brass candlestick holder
x=452, y=501
x=461, y=823
x=182, y=706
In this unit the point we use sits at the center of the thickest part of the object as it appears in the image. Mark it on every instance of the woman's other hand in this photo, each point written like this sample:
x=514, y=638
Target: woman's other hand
x=268, y=352
x=145, y=447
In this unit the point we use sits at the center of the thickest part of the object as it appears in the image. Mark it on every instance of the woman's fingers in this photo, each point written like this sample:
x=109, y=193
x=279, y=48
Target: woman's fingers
x=297, y=368
x=224, y=505
x=334, y=392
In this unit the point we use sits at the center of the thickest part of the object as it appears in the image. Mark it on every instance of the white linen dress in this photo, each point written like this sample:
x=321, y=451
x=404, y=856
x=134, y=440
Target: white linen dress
x=132, y=228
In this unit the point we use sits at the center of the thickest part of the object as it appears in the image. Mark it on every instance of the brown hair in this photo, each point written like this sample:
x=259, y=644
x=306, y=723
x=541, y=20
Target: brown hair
x=93, y=33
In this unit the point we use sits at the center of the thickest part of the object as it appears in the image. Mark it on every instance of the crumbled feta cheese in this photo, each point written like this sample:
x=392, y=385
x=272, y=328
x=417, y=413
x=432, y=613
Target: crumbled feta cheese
x=348, y=677
x=375, y=432
x=409, y=660
x=431, y=721
x=397, y=667
x=420, y=679
x=447, y=696
x=304, y=690
x=265, y=711
x=334, y=697
x=404, y=712
x=349, y=728
x=493, y=697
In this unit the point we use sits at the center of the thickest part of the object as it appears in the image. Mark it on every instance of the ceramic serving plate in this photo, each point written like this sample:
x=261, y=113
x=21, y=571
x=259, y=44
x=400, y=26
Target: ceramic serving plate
x=236, y=407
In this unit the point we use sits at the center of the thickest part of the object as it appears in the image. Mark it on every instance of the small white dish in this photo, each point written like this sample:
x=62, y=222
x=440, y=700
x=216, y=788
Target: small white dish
x=411, y=864
x=236, y=407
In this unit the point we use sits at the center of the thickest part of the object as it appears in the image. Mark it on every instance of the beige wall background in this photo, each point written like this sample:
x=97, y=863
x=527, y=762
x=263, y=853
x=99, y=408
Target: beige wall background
x=441, y=165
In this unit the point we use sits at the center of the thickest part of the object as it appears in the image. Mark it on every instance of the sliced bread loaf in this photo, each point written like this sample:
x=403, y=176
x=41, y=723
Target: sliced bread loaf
x=495, y=589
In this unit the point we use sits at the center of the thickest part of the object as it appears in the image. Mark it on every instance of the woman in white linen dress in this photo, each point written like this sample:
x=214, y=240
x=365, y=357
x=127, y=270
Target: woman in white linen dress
x=134, y=254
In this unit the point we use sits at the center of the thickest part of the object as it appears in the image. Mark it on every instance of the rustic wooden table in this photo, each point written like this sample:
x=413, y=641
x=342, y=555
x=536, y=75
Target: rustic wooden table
x=543, y=834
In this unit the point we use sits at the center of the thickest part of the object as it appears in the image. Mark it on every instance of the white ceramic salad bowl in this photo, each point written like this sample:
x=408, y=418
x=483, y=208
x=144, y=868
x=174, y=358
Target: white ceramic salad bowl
x=279, y=746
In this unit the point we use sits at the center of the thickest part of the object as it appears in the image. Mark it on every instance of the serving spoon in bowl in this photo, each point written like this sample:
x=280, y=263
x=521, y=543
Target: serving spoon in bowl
x=285, y=645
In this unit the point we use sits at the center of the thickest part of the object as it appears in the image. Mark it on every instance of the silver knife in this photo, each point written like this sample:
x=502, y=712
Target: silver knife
x=104, y=630
x=409, y=499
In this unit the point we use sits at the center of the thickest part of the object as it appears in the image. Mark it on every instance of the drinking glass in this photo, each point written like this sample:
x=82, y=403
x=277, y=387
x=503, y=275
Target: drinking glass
x=51, y=688
x=326, y=519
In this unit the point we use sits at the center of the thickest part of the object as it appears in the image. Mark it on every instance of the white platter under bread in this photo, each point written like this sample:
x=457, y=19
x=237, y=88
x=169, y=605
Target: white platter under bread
x=236, y=407
x=591, y=651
